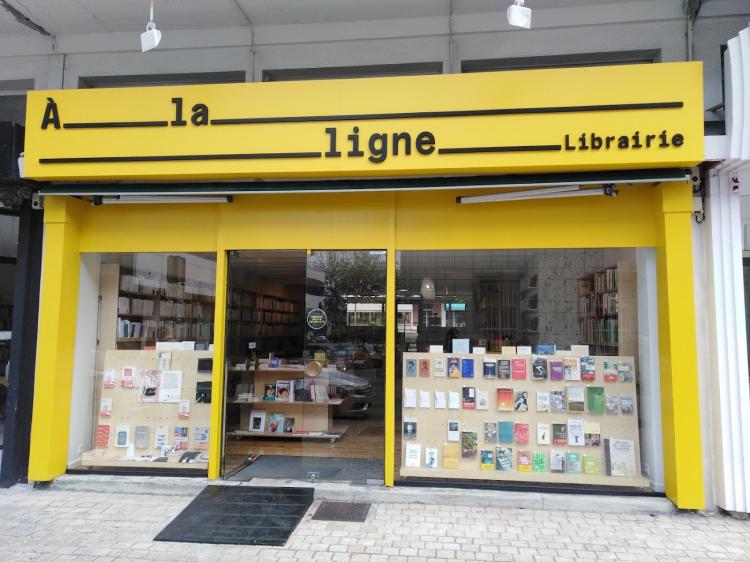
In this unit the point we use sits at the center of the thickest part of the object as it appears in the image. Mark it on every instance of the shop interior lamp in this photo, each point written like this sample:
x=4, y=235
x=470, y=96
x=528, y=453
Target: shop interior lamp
x=151, y=37
x=519, y=15
x=427, y=290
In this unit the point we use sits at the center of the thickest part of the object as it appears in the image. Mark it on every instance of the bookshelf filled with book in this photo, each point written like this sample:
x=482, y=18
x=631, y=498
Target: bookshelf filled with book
x=260, y=316
x=281, y=402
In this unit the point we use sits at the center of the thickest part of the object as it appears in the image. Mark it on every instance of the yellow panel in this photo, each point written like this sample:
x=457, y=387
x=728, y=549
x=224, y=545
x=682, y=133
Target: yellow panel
x=390, y=360
x=502, y=122
x=217, y=386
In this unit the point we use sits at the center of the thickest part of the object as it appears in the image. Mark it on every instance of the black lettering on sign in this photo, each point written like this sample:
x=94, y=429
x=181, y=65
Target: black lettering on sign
x=333, y=151
x=51, y=116
x=200, y=114
x=178, y=120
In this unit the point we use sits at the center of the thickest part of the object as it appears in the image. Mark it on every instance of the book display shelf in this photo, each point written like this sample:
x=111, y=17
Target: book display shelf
x=281, y=402
x=535, y=418
x=260, y=316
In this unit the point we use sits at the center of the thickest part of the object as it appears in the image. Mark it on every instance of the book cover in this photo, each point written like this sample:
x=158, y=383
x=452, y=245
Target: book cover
x=489, y=369
x=122, y=435
x=542, y=401
x=573, y=462
x=556, y=370
x=539, y=460
x=545, y=349
x=523, y=349
x=595, y=399
x=557, y=461
x=521, y=431
x=301, y=394
x=141, y=436
x=424, y=367
x=560, y=433
x=453, y=431
x=524, y=461
x=410, y=429
x=592, y=434
x=160, y=437
x=620, y=457
x=454, y=367
x=127, y=377
x=451, y=455
x=183, y=410
x=505, y=399
x=613, y=404
x=276, y=422
x=490, y=432
x=505, y=432
x=504, y=458
x=590, y=464
x=439, y=373
x=149, y=391
x=411, y=367
x=576, y=397
x=626, y=405
x=454, y=400
x=105, y=408
x=486, y=460
x=288, y=425
x=539, y=368
x=425, y=399
x=625, y=371
x=410, y=397
x=257, y=421
x=572, y=368
x=575, y=433
x=269, y=391
x=543, y=434
x=413, y=455
x=467, y=368
x=610, y=371
x=200, y=434
x=518, y=368
x=557, y=402
x=180, y=436
x=503, y=368
x=521, y=403
x=430, y=457
x=441, y=400
x=483, y=400
x=460, y=345
x=101, y=438
x=508, y=350
x=468, y=444
x=588, y=368
x=469, y=398
x=283, y=390
x=108, y=378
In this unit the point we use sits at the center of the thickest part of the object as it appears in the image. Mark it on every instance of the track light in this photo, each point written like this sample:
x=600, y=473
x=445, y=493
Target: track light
x=531, y=194
x=148, y=199
x=151, y=37
x=519, y=15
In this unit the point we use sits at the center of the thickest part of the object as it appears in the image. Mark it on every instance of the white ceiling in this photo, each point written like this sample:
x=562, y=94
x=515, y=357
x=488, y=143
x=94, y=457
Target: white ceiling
x=60, y=17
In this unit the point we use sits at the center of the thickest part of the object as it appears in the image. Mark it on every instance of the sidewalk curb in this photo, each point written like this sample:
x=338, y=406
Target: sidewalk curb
x=191, y=487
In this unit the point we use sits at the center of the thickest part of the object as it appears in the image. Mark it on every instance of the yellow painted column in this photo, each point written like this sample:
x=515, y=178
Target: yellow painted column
x=58, y=306
x=390, y=352
x=683, y=469
x=216, y=431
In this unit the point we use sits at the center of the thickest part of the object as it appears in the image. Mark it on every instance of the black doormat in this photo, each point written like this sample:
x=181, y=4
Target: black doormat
x=240, y=515
x=342, y=511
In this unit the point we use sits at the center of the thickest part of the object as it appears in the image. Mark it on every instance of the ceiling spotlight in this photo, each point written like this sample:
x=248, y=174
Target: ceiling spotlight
x=519, y=15
x=151, y=37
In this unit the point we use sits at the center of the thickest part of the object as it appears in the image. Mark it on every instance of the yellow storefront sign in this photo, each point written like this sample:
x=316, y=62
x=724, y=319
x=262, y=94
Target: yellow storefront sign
x=576, y=119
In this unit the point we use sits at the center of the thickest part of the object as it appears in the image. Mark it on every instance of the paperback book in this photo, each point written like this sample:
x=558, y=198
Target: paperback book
x=522, y=401
x=518, y=367
x=486, y=460
x=613, y=404
x=626, y=405
x=101, y=437
x=269, y=391
x=127, y=377
x=451, y=455
x=610, y=371
x=122, y=435
x=424, y=367
x=454, y=367
x=560, y=433
x=108, y=378
x=590, y=464
x=595, y=399
x=573, y=462
x=592, y=434
x=524, y=461
x=539, y=368
x=572, y=368
x=413, y=455
x=588, y=368
x=469, y=398
x=105, y=408
x=454, y=400
x=411, y=367
x=505, y=432
x=490, y=432
x=556, y=370
x=521, y=433
x=543, y=434
x=542, y=401
x=490, y=369
x=283, y=390
x=576, y=397
x=141, y=436
x=276, y=422
x=441, y=400
x=410, y=429
x=454, y=435
x=468, y=444
x=545, y=349
x=503, y=368
x=625, y=371
x=483, y=400
x=619, y=458
x=557, y=461
x=504, y=458
x=425, y=399
x=557, y=402
x=539, y=460
x=505, y=399
x=467, y=368
x=576, y=433
x=181, y=436
x=257, y=421
x=288, y=425
x=439, y=372
x=430, y=457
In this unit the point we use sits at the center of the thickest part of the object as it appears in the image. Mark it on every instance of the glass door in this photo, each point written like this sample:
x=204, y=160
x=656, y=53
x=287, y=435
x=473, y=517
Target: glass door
x=304, y=392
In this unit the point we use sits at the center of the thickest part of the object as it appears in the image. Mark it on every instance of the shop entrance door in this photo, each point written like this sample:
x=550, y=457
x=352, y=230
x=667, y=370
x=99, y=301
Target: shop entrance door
x=305, y=371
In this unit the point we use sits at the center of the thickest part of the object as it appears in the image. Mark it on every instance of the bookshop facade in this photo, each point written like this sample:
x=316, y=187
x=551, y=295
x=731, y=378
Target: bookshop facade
x=478, y=278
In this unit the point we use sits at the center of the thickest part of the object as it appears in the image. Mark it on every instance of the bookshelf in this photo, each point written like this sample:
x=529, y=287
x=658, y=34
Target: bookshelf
x=606, y=310
x=313, y=419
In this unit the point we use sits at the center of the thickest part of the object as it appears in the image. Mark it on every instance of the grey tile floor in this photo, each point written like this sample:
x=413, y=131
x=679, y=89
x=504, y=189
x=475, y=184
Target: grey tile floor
x=84, y=525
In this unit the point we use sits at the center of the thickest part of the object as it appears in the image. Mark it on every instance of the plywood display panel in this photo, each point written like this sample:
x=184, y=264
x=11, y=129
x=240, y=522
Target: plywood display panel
x=432, y=423
x=128, y=411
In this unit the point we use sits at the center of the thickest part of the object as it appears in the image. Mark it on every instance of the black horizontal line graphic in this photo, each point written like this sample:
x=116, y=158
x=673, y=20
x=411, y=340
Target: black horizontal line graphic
x=115, y=124
x=479, y=149
x=437, y=114
x=180, y=157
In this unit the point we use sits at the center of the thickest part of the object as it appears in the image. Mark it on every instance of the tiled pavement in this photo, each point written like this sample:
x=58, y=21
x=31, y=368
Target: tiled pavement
x=79, y=525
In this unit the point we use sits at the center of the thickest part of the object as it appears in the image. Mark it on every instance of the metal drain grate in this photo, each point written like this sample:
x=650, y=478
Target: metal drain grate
x=342, y=511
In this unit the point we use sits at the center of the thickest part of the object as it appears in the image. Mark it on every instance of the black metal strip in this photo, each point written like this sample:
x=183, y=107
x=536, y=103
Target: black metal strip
x=115, y=124
x=180, y=157
x=480, y=149
x=438, y=114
